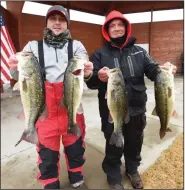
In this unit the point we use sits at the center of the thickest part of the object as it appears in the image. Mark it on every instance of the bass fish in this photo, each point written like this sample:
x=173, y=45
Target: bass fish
x=165, y=99
x=32, y=91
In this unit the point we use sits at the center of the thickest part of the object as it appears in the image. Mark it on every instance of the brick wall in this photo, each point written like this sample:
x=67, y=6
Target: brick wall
x=141, y=32
x=31, y=28
x=88, y=34
x=167, y=42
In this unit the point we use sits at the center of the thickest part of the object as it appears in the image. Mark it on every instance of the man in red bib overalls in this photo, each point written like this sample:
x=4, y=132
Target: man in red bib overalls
x=58, y=47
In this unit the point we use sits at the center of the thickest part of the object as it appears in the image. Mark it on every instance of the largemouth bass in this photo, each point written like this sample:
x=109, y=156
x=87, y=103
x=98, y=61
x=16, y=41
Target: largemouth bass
x=165, y=99
x=117, y=104
x=73, y=91
x=32, y=91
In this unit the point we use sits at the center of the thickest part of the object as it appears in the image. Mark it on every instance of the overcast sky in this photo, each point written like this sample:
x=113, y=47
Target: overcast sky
x=40, y=9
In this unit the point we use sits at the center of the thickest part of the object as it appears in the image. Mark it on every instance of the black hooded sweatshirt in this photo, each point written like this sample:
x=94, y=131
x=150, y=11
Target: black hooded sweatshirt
x=134, y=63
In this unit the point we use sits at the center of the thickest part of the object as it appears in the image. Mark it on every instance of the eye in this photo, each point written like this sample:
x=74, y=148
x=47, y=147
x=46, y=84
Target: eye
x=62, y=19
x=52, y=18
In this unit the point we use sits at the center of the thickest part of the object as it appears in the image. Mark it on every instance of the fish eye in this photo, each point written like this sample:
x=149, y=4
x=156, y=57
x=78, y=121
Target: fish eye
x=113, y=70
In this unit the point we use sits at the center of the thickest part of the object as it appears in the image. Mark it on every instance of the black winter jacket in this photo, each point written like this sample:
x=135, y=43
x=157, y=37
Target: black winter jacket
x=134, y=63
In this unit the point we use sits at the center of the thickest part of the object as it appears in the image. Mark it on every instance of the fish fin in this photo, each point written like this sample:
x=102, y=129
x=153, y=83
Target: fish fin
x=24, y=84
x=29, y=136
x=163, y=133
x=44, y=114
x=16, y=86
x=106, y=95
x=127, y=118
x=116, y=139
x=154, y=112
x=168, y=130
x=21, y=115
x=74, y=130
x=174, y=114
x=61, y=104
x=169, y=92
x=80, y=109
x=110, y=119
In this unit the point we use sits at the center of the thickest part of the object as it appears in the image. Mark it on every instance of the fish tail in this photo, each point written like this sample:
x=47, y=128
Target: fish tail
x=29, y=136
x=163, y=133
x=74, y=130
x=154, y=112
x=116, y=139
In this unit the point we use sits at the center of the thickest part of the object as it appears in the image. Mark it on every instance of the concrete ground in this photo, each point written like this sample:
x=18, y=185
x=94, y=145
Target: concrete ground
x=19, y=166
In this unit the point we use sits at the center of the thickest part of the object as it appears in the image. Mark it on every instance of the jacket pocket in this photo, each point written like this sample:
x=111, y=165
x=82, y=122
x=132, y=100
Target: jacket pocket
x=137, y=96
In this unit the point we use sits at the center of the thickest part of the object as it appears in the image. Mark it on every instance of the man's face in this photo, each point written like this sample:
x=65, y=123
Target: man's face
x=57, y=23
x=116, y=28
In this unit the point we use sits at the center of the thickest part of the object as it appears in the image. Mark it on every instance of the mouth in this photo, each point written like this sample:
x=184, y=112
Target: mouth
x=118, y=34
x=57, y=29
x=77, y=72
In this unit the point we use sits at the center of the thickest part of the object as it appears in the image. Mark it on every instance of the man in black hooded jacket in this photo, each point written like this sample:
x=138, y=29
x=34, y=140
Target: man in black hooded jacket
x=134, y=62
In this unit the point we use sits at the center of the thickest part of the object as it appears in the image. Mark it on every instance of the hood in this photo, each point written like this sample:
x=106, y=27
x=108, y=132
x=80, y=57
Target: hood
x=112, y=15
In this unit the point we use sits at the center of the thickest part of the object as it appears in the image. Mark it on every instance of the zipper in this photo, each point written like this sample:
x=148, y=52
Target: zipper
x=56, y=55
x=130, y=66
x=136, y=53
x=116, y=62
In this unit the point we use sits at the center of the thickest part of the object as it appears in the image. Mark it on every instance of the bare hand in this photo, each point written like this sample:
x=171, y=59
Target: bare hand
x=12, y=61
x=167, y=65
x=103, y=74
x=88, y=69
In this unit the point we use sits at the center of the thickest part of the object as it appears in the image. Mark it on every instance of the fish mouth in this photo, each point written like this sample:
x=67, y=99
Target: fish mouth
x=77, y=72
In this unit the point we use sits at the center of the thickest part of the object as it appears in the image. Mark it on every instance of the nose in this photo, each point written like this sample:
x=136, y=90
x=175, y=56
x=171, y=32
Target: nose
x=57, y=21
x=116, y=27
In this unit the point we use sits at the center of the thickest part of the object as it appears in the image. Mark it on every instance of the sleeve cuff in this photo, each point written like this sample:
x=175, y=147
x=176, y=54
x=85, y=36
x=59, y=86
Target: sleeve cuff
x=87, y=79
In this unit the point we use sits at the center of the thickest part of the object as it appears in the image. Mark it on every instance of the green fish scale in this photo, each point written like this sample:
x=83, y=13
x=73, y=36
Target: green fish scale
x=71, y=95
x=163, y=104
x=118, y=107
x=33, y=96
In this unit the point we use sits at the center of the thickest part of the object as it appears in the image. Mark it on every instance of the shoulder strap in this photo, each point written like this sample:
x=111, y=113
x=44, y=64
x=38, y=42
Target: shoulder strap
x=41, y=57
x=41, y=54
x=70, y=49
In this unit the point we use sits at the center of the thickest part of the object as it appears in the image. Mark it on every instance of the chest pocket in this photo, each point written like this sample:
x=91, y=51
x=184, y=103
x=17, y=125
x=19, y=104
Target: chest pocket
x=135, y=64
x=107, y=61
x=135, y=79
